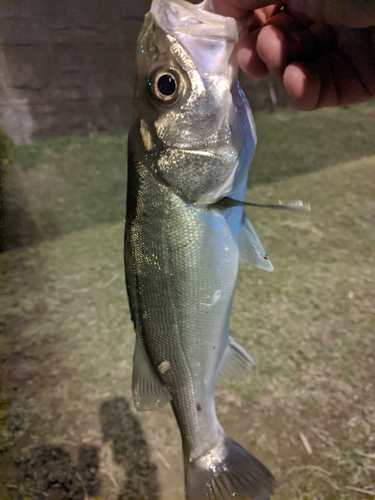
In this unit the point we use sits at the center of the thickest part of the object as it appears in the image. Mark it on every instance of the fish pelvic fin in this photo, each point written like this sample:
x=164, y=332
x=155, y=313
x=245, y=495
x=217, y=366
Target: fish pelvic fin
x=236, y=363
x=149, y=392
x=251, y=249
x=227, y=472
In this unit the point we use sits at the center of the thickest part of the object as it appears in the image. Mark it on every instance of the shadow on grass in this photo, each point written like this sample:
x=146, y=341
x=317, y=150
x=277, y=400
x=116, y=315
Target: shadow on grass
x=32, y=367
x=48, y=472
x=130, y=449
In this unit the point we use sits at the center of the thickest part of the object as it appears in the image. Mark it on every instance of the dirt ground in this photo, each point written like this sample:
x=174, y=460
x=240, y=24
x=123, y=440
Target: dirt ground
x=70, y=431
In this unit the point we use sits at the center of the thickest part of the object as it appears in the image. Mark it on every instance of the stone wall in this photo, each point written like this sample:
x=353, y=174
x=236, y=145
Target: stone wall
x=67, y=67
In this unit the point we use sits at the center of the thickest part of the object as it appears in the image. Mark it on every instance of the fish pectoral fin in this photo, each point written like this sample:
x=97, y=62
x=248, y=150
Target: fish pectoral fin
x=149, y=392
x=251, y=249
x=236, y=362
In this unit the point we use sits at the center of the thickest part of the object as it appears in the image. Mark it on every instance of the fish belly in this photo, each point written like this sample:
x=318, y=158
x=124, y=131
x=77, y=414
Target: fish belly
x=184, y=261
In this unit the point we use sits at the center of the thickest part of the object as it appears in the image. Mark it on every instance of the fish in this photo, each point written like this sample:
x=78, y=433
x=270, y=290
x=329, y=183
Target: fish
x=190, y=146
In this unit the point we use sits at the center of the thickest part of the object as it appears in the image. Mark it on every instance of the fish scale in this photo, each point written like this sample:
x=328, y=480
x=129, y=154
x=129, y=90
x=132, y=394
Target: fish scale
x=178, y=327
x=189, y=149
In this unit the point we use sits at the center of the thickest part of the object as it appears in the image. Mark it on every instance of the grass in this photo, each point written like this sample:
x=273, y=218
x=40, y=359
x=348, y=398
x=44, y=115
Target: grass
x=293, y=143
x=309, y=326
x=71, y=183
x=64, y=185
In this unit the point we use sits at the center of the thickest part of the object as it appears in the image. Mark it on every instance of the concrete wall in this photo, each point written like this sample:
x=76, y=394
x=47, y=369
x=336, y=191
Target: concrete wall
x=67, y=66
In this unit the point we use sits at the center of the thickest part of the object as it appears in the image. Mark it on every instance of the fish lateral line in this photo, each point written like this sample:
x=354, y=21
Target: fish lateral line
x=292, y=205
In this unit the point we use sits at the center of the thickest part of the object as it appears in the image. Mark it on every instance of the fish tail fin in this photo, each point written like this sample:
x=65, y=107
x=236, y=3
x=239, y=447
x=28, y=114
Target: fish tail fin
x=228, y=471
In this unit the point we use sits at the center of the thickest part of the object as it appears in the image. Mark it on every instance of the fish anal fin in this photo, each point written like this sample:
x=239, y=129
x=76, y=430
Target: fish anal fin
x=149, y=392
x=236, y=362
x=229, y=472
x=251, y=249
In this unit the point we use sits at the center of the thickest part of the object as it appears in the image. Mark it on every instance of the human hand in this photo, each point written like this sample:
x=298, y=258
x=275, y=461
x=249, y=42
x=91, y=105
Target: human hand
x=320, y=64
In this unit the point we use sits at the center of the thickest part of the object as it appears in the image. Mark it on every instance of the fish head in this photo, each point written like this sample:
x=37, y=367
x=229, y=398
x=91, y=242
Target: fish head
x=189, y=116
x=162, y=85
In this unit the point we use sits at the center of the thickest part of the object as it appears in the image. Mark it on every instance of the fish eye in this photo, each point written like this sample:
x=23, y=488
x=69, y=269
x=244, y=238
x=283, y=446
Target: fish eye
x=166, y=86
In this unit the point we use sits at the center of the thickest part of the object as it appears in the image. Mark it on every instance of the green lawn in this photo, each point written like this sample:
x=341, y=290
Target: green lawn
x=72, y=183
x=71, y=429
x=64, y=185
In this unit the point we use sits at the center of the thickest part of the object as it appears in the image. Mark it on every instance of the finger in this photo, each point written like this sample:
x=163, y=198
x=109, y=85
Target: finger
x=241, y=10
x=358, y=45
x=303, y=85
x=331, y=81
x=267, y=12
x=272, y=42
x=271, y=48
x=286, y=39
x=309, y=44
x=248, y=57
x=343, y=85
x=259, y=19
x=286, y=20
x=261, y=16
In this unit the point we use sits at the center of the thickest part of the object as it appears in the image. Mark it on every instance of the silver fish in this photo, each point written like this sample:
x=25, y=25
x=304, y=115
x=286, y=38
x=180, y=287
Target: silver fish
x=190, y=146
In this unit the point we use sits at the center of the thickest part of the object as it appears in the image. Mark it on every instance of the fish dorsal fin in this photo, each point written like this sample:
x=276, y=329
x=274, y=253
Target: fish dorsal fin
x=236, y=362
x=149, y=392
x=251, y=249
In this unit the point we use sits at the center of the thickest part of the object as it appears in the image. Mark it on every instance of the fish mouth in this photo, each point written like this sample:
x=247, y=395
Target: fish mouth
x=194, y=19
